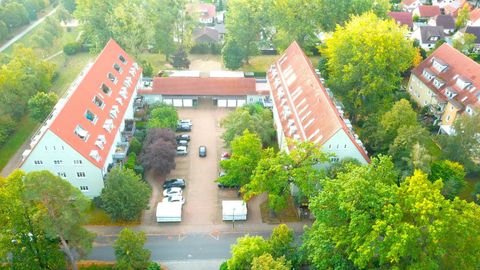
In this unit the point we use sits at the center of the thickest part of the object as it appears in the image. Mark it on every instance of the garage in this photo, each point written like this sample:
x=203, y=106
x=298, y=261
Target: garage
x=177, y=102
x=241, y=102
x=168, y=101
x=188, y=103
x=222, y=103
x=232, y=103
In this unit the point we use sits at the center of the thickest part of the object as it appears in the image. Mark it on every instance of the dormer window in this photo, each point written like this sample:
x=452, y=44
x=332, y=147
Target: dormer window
x=429, y=76
x=462, y=83
x=95, y=155
x=91, y=116
x=113, y=112
x=108, y=125
x=438, y=65
x=438, y=83
x=119, y=100
x=122, y=59
x=469, y=111
x=100, y=142
x=112, y=78
x=81, y=132
x=99, y=102
x=117, y=68
x=434, y=38
x=106, y=89
x=450, y=93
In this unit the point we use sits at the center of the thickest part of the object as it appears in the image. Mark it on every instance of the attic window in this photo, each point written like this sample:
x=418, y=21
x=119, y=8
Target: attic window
x=91, y=116
x=106, y=89
x=122, y=59
x=81, y=132
x=112, y=78
x=108, y=125
x=99, y=102
x=462, y=84
x=95, y=155
x=438, y=66
x=100, y=142
x=450, y=93
x=438, y=83
x=427, y=74
x=117, y=68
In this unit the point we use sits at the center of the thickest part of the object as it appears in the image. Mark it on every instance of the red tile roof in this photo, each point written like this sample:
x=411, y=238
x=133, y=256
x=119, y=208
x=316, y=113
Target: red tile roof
x=429, y=11
x=81, y=99
x=475, y=15
x=205, y=10
x=402, y=18
x=297, y=91
x=201, y=86
x=408, y=2
x=459, y=66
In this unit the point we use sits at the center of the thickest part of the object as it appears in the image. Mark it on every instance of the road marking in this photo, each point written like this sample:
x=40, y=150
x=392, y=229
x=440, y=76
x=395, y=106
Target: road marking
x=215, y=235
x=181, y=236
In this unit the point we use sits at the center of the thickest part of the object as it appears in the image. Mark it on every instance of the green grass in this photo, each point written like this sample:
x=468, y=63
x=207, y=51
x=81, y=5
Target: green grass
x=26, y=127
x=433, y=148
x=157, y=60
x=68, y=68
x=96, y=216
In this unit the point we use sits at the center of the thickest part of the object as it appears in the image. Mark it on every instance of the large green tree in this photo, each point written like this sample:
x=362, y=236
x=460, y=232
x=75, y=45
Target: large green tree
x=163, y=116
x=365, y=220
x=22, y=235
x=93, y=16
x=365, y=59
x=129, y=250
x=267, y=262
x=41, y=104
x=64, y=217
x=246, y=152
x=125, y=195
x=245, y=250
x=452, y=175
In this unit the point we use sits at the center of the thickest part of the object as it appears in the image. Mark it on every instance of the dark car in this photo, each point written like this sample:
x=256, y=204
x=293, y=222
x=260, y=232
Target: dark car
x=183, y=137
x=202, y=151
x=183, y=127
x=174, y=182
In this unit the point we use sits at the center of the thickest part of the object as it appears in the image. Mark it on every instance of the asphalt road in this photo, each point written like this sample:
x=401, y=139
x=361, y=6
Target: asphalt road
x=196, y=251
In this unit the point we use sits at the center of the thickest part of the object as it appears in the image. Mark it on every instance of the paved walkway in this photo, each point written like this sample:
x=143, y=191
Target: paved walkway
x=26, y=30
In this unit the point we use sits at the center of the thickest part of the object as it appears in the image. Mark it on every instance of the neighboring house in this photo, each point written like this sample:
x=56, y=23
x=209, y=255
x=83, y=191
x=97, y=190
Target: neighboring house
x=428, y=35
x=410, y=5
x=425, y=13
x=221, y=91
x=448, y=82
x=206, y=35
x=88, y=129
x=402, y=18
x=221, y=31
x=445, y=21
x=474, y=19
x=303, y=109
x=206, y=13
x=474, y=30
x=453, y=7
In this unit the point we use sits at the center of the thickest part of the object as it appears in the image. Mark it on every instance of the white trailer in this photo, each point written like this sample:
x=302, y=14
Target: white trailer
x=169, y=212
x=234, y=210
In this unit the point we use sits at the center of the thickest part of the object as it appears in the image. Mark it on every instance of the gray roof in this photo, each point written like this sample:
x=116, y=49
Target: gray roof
x=431, y=34
x=220, y=27
x=446, y=21
x=474, y=30
x=205, y=35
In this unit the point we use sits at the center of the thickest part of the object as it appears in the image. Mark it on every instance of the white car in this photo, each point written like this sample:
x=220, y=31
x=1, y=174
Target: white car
x=174, y=199
x=185, y=122
x=182, y=150
x=173, y=191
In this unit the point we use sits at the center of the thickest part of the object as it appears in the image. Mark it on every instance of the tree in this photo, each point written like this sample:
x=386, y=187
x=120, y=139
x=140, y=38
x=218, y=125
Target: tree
x=64, y=207
x=93, y=16
x=165, y=26
x=399, y=116
x=267, y=262
x=452, y=174
x=361, y=70
x=245, y=250
x=255, y=118
x=463, y=146
x=246, y=152
x=163, y=116
x=232, y=55
x=69, y=5
x=125, y=195
x=7, y=126
x=14, y=15
x=180, y=59
x=364, y=220
x=147, y=69
x=129, y=250
x=41, y=104
x=463, y=16
x=71, y=48
x=281, y=243
x=3, y=31
x=466, y=43
x=22, y=236
x=275, y=173
x=159, y=150
x=135, y=146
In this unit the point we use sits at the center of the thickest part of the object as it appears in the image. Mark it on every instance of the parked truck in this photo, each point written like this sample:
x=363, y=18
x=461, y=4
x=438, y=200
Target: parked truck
x=169, y=212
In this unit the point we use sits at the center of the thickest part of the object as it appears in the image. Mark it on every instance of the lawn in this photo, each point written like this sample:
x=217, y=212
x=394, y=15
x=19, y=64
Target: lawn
x=25, y=128
x=68, y=68
x=97, y=216
x=157, y=60
x=433, y=148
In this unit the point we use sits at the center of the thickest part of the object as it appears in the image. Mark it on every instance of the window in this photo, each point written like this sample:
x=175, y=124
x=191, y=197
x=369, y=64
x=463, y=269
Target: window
x=58, y=162
x=81, y=174
x=84, y=188
x=122, y=59
x=106, y=89
x=345, y=146
x=329, y=146
x=81, y=133
x=91, y=116
x=425, y=102
x=99, y=102
x=77, y=162
x=38, y=162
x=62, y=174
x=334, y=159
x=117, y=68
x=112, y=77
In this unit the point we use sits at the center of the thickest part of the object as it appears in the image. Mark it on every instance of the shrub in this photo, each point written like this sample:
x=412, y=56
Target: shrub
x=224, y=266
x=140, y=135
x=135, y=146
x=131, y=161
x=71, y=48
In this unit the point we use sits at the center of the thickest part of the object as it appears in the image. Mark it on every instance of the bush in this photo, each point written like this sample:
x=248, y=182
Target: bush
x=224, y=266
x=97, y=267
x=131, y=161
x=140, y=135
x=135, y=146
x=97, y=202
x=154, y=266
x=140, y=125
x=138, y=169
x=71, y=48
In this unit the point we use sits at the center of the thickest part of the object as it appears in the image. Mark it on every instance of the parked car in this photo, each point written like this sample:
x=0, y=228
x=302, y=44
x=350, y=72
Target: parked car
x=172, y=191
x=184, y=137
x=174, y=182
x=202, y=151
x=221, y=185
x=225, y=156
x=182, y=151
x=185, y=122
x=184, y=127
x=174, y=199
x=182, y=143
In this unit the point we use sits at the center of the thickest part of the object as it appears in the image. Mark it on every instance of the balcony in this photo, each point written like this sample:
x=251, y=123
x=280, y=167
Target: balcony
x=121, y=151
x=128, y=130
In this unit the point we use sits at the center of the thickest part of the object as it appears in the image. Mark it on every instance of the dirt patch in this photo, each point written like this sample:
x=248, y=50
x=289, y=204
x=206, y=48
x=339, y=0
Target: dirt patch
x=289, y=214
x=205, y=63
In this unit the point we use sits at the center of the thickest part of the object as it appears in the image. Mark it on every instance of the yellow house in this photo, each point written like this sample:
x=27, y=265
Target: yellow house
x=449, y=83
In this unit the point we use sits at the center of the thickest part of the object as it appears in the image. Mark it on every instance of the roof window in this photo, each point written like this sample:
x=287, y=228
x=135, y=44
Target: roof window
x=99, y=102
x=91, y=116
x=95, y=155
x=106, y=89
x=112, y=78
x=81, y=132
x=122, y=59
x=117, y=68
x=108, y=125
